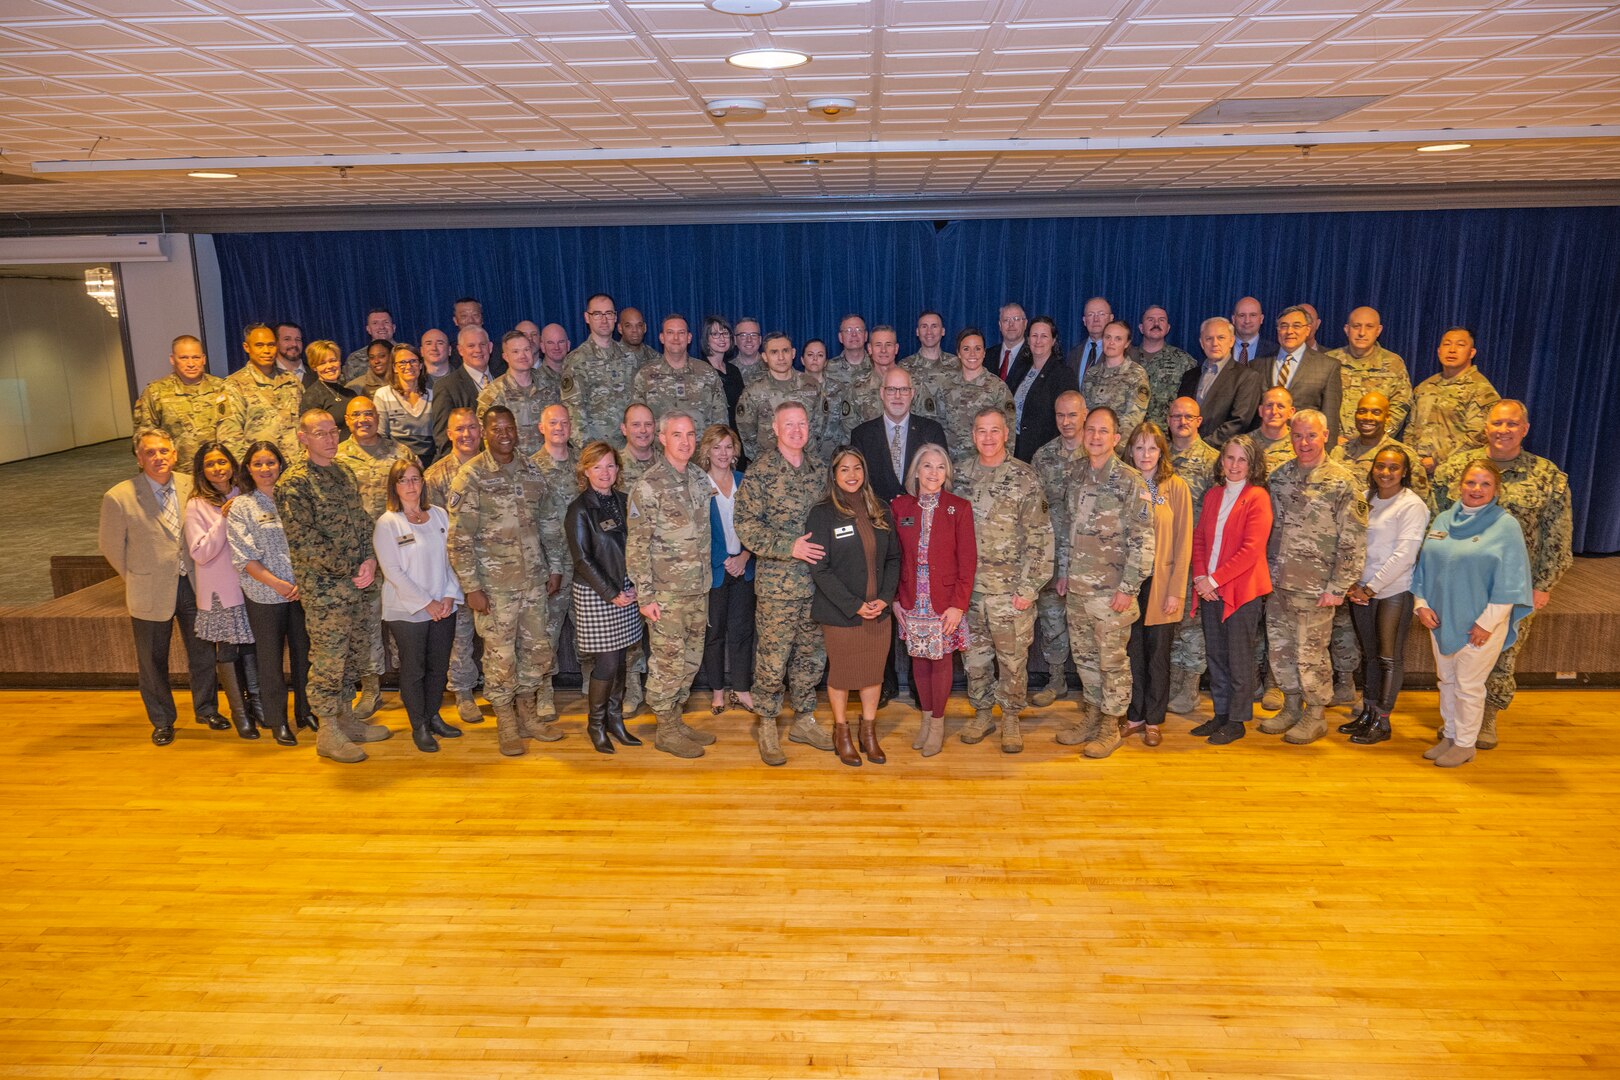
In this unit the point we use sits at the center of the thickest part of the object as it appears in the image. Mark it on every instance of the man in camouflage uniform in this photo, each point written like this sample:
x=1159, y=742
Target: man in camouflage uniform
x=667, y=558
x=1194, y=461
x=1055, y=465
x=678, y=382
x=1013, y=528
x=865, y=395
x=1164, y=363
x=552, y=350
x=756, y=408
x=557, y=460
x=931, y=362
x=259, y=401
x=773, y=501
x=1365, y=366
x=518, y=391
x=1449, y=409
x=1117, y=384
x=640, y=430
x=1318, y=545
x=961, y=395
x=1274, y=433
x=379, y=327
x=597, y=376
x=1110, y=552
x=329, y=540
x=509, y=558
x=1536, y=493
x=466, y=441
x=633, y=337
x=185, y=404
x=749, y=341
x=848, y=366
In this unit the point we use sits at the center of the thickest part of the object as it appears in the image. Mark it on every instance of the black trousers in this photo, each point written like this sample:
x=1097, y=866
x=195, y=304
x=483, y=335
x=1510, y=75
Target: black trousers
x=279, y=627
x=424, y=664
x=1229, y=647
x=1149, y=650
x=152, y=660
x=728, y=643
x=1381, y=627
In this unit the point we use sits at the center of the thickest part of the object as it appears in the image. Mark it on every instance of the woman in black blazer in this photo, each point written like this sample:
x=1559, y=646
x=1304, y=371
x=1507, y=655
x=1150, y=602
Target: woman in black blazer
x=855, y=586
x=1048, y=375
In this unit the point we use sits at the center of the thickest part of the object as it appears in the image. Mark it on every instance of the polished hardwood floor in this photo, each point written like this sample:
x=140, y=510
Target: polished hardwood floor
x=220, y=908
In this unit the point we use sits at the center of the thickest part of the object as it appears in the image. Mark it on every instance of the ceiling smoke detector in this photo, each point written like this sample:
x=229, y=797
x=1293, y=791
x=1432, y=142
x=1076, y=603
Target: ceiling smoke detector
x=735, y=108
x=831, y=107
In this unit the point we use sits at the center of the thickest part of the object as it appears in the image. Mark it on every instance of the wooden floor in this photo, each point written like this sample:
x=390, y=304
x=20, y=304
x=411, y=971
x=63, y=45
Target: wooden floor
x=229, y=909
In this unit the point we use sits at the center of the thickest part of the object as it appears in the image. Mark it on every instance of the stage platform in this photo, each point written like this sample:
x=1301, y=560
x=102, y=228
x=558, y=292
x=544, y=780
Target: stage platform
x=229, y=909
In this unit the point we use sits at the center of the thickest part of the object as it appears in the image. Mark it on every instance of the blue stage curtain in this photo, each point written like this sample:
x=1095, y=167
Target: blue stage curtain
x=1537, y=286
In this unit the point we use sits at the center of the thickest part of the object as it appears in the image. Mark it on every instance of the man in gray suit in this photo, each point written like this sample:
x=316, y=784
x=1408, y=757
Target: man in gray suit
x=141, y=535
x=1312, y=377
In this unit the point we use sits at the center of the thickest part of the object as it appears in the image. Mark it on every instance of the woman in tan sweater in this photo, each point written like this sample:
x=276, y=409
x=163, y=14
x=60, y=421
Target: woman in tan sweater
x=1165, y=590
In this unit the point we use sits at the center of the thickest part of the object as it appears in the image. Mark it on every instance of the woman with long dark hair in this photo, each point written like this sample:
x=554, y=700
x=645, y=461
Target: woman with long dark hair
x=1160, y=596
x=221, y=615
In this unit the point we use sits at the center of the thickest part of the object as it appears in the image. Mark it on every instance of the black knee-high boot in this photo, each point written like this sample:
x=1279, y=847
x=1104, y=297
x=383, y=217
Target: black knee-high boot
x=596, y=718
x=226, y=673
x=614, y=724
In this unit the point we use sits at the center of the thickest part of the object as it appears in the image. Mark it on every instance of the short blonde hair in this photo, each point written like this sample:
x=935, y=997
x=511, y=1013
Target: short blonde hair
x=916, y=461
x=711, y=438
x=588, y=457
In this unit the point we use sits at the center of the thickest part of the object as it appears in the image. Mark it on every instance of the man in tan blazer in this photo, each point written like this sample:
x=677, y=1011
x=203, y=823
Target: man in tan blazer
x=141, y=535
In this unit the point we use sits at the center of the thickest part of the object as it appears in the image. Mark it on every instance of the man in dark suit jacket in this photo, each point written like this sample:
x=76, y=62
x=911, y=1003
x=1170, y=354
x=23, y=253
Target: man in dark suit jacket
x=1228, y=393
x=1247, y=318
x=1013, y=348
x=142, y=537
x=874, y=438
x=1312, y=378
x=459, y=389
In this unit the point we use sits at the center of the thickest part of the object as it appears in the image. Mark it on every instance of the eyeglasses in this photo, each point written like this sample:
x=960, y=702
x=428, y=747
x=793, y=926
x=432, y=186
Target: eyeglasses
x=747, y=337
x=408, y=481
x=901, y=391
x=600, y=314
x=323, y=433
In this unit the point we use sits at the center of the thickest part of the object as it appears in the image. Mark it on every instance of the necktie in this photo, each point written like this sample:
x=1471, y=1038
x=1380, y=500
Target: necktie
x=1006, y=362
x=1091, y=354
x=1284, y=369
x=1244, y=357
x=1210, y=371
x=897, y=452
x=170, y=515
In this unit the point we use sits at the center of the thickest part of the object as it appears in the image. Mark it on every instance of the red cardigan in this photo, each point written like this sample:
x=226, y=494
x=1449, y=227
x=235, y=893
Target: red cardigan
x=953, y=554
x=1242, y=574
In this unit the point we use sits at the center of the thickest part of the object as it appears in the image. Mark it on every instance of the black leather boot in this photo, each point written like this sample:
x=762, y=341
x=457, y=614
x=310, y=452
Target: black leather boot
x=600, y=690
x=613, y=720
x=247, y=673
x=1376, y=731
x=283, y=734
x=310, y=721
x=443, y=730
x=1359, y=722
x=422, y=737
x=241, y=718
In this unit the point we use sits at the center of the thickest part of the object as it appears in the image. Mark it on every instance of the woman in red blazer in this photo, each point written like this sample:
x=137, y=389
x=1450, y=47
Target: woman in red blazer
x=938, y=560
x=1230, y=579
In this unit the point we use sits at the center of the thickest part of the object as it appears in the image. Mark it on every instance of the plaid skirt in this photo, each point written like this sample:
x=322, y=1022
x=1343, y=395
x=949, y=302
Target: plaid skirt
x=601, y=627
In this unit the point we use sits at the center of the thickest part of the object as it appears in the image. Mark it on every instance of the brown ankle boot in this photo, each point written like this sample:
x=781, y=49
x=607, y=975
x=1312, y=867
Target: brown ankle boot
x=508, y=733
x=844, y=746
x=869, y=743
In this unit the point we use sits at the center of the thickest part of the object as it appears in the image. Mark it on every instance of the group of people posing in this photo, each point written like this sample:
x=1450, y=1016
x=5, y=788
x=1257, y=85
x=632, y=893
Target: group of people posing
x=766, y=513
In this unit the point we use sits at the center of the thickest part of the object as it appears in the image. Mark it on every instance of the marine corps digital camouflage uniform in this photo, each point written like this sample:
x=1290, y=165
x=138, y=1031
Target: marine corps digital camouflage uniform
x=1196, y=467
x=1536, y=493
x=773, y=502
x=562, y=486
x=526, y=403
x=463, y=678
x=667, y=557
x=1124, y=389
x=1448, y=415
x=1318, y=545
x=1012, y=526
x=1164, y=371
x=597, y=386
x=756, y=412
x=1380, y=371
x=190, y=414
x=501, y=543
x=1055, y=469
x=696, y=390
x=958, y=401
x=254, y=407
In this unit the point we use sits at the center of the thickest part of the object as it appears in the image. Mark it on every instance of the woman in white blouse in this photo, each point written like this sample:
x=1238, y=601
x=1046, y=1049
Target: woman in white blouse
x=728, y=643
x=405, y=405
x=420, y=595
x=1381, y=603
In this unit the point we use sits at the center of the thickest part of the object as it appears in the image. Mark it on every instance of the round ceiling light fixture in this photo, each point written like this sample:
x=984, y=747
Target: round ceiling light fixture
x=809, y=161
x=746, y=7
x=204, y=174
x=831, y=107
x=1443, y=148
x=767, y=59
x=735, y=108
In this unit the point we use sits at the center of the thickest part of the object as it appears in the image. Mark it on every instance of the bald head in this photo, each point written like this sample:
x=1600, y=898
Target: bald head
x=1361, y=331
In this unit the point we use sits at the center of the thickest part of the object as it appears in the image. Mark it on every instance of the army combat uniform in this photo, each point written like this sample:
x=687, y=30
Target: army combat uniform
x=597, y=388
x=255, y=407
x=563, y=488
x=756, y=412
x=1318, y=545
x=189, y=413
x=526, y=403
x=923, y=368
x=1448, y=415
x=958, y=401
x=1012, y=526
x=1380, y=371
x=1124, y=389
x=463, y=677
x=667, y=557
x=1055, y=468
x=502, y=544
x=329, y=538
x=696, y=389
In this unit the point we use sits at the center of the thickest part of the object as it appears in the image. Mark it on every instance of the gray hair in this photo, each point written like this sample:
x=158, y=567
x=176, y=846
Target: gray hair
x=1314, y=416
x=673, y=415
x=1230, y=329
x=916, y=463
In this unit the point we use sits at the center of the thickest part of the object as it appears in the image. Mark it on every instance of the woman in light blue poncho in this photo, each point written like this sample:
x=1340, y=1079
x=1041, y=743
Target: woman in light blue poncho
x=1471, y=588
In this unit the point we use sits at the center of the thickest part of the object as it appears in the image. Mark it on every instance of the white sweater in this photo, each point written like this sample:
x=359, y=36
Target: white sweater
x=1395, y=530
x=415, y=564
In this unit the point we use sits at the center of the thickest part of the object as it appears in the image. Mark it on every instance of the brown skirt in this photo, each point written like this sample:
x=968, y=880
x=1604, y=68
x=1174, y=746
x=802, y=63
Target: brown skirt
x=856, y=655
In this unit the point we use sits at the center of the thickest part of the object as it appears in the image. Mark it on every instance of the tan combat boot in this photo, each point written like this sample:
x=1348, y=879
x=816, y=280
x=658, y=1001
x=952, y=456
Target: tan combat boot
x=977, y=728
x=1272, y=698
x=1083, y=730
x=1487, y=730
x=1056, y=689
x=508, y=730
x=370, y=697
x=532, y=724
x=1110, y=734
x=1012, y=735
x=1286, y=718
x=467, y=710
x=806, y=730
x=669, y=738
x=1312, y=726
x=1183, y=691
x=356, y=730
x=770, y=750
x=702, y=738
x=330, y=742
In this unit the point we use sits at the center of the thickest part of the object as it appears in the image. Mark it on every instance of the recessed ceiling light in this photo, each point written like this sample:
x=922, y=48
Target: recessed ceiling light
x=809, y=161
x=212, y=175
x=767, y=59
x=735, y=108
x=831, y=106
x=746, y=7
x=1441, y=148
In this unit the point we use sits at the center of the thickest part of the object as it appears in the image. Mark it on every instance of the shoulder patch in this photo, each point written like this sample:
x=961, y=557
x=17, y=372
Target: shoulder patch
x=454, y=501
x=567, y=383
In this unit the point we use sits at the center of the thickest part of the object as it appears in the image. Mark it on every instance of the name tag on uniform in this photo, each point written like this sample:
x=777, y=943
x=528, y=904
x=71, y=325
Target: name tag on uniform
x=843, y=532
x=908, y=521
x=408, y=538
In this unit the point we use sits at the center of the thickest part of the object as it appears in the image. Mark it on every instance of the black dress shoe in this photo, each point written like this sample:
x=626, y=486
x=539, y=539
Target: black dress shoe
x=215, y=722
x=1359, y=722
x=423, y=738
x=283, y=734
x=442, y=729
x=163, y=736
x=309, y=721
x=1209, y=727
x=1231, y=731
